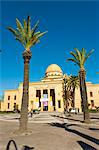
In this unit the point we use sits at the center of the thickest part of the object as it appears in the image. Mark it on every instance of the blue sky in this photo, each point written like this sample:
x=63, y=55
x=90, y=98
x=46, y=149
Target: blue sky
x=69, y=24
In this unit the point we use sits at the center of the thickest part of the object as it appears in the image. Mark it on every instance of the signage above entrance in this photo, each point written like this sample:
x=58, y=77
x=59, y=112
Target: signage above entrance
x=44, y=99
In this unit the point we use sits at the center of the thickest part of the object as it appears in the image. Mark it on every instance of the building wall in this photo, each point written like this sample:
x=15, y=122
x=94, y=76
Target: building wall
x=94, y=88
x=95, y=94
x=57, y=85
x=11, y=94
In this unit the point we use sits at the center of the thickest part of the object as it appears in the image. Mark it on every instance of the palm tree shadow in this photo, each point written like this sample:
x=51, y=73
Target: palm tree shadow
x=25, y=147
x=85, y=146
x=57, y=125
x=68, y=117
x=94, y=118
x=92, y=139
x=65, y=126
x=95, y=129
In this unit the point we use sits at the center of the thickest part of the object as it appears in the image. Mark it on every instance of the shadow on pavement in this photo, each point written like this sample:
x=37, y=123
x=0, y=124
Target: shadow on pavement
x=94, y=118
x=57, y=125
x=25, y=147
x=85, y=146
x=94, y=129
x=68, y=118
x=65, y=126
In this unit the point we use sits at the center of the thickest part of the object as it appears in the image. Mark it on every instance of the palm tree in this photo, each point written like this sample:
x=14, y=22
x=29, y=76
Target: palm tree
x=28, y=37
x=65, y=91
x=79, y=58
x=72, y=84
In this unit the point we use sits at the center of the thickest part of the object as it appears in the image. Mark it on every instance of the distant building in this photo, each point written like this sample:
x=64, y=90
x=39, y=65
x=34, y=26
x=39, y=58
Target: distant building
x=47, y=94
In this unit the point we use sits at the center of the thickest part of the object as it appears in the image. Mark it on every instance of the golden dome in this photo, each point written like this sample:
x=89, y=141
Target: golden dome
x=53, y=70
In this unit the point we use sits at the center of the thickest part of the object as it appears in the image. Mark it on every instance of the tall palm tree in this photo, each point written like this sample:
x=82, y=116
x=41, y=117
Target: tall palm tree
x=28, y=37
x=79, y=58
x=72, y=84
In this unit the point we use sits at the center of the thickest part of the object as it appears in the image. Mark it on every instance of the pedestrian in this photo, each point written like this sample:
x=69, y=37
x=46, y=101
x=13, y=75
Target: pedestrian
x=31, y=112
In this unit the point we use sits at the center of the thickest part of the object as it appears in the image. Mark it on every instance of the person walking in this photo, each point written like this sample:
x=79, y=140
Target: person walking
x=31, y=113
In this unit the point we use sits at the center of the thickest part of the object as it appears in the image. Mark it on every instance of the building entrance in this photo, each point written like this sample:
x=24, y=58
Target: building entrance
x=45, y=106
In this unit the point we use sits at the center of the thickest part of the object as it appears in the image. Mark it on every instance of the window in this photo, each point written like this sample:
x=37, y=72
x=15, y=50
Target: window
x=8, y=105
x=45, y=91
x=59, y=104
x=91, y=94
x=92, y=103
x=8, y=97
x=38, y=93
x=14, y=97
x=14, y=105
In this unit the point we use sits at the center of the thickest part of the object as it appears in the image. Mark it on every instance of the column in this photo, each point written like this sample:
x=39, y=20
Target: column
x=49, y=105
x=41, y=102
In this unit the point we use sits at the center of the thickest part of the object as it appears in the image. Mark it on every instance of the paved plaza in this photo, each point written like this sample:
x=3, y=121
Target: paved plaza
x=51, y=131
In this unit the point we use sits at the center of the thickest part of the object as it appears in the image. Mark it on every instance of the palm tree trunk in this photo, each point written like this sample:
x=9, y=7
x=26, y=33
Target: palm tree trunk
x=66, y=99
x=25, y=97
x=73, y=97
x=84, y=95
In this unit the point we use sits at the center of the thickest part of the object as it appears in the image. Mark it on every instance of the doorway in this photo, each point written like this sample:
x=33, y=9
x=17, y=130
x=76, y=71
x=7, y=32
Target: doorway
x=45, y=106
x=52, y=93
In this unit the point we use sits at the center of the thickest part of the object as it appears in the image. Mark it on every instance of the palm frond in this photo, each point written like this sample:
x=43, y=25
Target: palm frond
x=74, y=55
x=28, y=27
x=20, y=40
x=35, y=28
x=28, y=24
x=13, y=31
x=87, y=56
x=73, y=60
x=36, y=33
x=32, y=42
x=35, y=39
x=78, y=54
x=41, y=34
x=83, y=53
x=25, y=25
x=80, y=57
x=24, y=34
x=19, y=26
x=73, y=82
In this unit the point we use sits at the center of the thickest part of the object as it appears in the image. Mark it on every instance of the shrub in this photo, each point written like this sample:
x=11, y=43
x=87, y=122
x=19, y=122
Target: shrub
x=93, y=110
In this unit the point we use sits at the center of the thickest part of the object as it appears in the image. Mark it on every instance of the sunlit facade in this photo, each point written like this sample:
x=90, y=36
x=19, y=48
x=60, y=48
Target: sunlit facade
x=47, y=94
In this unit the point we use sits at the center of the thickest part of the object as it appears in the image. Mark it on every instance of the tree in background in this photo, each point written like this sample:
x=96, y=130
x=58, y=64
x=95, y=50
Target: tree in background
x=72, y=84
x=79, y=58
